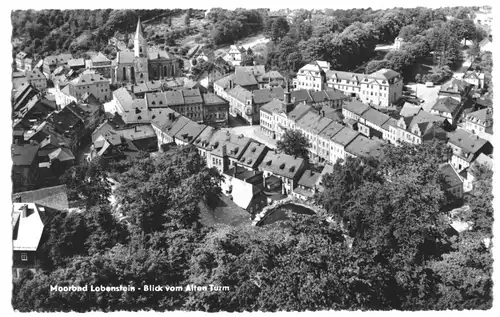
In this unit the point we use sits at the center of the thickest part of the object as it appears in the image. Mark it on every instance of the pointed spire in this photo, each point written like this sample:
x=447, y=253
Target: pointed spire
x=139, y=29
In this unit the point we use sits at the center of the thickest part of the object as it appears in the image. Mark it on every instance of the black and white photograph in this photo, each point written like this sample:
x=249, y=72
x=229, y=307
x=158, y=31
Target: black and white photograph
x=250, y=157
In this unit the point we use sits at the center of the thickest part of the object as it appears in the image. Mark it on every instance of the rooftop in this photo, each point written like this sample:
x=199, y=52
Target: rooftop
x=299, y=111
x=281, y=164
x=451, y=177
x=313, y=122
x=332, y=129
x=345, y=136
x=356, y=107
x=376, y=117
x=190, y=131
x=447, y=104
x=252, y=154
x=28, y=228
x=482, y=115
x=309, y=179
x=24, y=155
x=273, y=105
x=465, y=140
x=363, y=147
x=52, y=197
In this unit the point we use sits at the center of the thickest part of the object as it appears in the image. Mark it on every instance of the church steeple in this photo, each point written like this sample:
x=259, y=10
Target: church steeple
x=140, y=44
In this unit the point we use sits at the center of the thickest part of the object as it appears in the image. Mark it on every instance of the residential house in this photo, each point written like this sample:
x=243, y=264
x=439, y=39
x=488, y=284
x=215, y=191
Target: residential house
x=311, y=125
x=101, y=65
x=28, y=223
x=230, y=152
x=35, y=110
x=92, y=83
x=20, y=57
x=90, y=113
x=479, y=122
x=409, y=110
x=50, y=63
x=167, y=126
x=24, y=166
x=188, y=133
x=76, y=64
x=339, y=142
x=486, y=45
x=468, y=175
x=398, y=43
x=382, y=88
x=466, y=148
x=36, y=79
x=371, y=123
x=312, y=76
x=252, y=156
x=268, y=112
x=215, y=110
x=453, y=183
x=447, y=107
x=241, y=103
x=22, y=96
x=418, y=128
x=142, y=88
x=54, y=156
x=245, y=188
x=354, y=109
x=286, y=168
x=475, y=78
x=456, y=88
x=325, y=146
x=235, y=55
x=272, y=79
x=361, y=146
x=307, y=185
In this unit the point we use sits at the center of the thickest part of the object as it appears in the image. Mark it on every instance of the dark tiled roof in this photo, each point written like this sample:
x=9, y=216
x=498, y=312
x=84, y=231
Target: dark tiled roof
x=332, y=129
x=262, y=96
x=481, y=115
x=213, y=99
x=252, y=154
x=299, y=111
x=313, y=122
x=364, y=147
x=23, y=155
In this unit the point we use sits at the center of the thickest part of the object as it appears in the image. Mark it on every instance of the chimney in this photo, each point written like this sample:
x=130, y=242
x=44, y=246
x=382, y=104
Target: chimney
x=224, y=151
x=231, y=84
x=24, y=211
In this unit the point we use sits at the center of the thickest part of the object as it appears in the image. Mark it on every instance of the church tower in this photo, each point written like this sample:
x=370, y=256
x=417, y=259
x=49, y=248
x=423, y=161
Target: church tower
x=140, y=44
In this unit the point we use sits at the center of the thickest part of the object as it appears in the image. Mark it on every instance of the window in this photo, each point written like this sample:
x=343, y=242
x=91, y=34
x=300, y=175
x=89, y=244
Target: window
x=24, y=257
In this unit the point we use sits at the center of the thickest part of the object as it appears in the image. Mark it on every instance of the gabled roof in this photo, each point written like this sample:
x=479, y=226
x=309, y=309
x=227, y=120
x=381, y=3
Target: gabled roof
x=53, y=197
x=154, y=54
x=332, y=129
x=244, y=77
x=99, y=58
x=455, y=86
x=481, y=115
x=273, y=105
x=88, y=78
x=356, y=107
x=361, y=146
x=467, y=141
x=240, y=93
x=409, y=110
x=24, y=155
x=376, y=117
x=344, y=136
x=212, y=99
x=309, y=179
x=299, y=111
x=35, y=74
x=190, y=131
x=452, y=179
x=313, y=122
x=421, y=117
x=252, y=154
x=224, y=81
x=266, y=95
x=235, y=145
x=485, y=160
x=302, y=95
x=76, y=62
x=281, y=164
x=384, y=73
x=28, y=230
x=125, y=57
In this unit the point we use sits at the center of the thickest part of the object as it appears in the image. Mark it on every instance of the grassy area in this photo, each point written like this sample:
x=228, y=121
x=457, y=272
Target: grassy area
x=226, y=212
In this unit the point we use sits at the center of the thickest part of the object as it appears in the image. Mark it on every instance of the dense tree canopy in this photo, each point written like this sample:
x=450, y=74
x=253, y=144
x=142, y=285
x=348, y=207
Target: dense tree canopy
x=294, y=143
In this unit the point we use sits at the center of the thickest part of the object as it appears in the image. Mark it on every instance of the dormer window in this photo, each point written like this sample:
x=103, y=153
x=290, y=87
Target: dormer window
x=269, y=162
x=292, y=169
x=282, y=166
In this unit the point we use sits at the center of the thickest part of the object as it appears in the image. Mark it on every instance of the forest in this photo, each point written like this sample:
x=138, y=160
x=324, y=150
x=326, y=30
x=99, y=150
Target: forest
x=390, y=245
x=345, y=38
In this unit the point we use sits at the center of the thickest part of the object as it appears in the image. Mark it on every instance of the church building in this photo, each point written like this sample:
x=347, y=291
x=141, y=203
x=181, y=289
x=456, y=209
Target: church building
x=144, y=63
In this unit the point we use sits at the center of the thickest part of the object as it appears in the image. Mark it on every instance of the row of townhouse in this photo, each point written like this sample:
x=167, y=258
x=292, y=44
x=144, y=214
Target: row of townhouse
x=202, y=108
x=330, y=141
x=382, y=88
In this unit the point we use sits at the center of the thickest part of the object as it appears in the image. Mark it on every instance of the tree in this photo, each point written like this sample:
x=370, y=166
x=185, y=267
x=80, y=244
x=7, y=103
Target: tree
x=279, y=29
x=247, y=60
x=88, y=182
x=373, y=66
x=249, y=51
x=294, y=143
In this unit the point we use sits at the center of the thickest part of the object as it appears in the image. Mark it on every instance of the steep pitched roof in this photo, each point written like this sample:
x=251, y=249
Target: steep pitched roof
x=376, y=117
x=23, y=155
x=313, y=122
x=409, y=110
x=481, y=115
x=344, y=136
x=266, y=95
x=332, y=129
x=28, y=229
x=190, y=131
x=361, y=146
x=240, y=93
x=252, y=153
x=452, y=179
x=299, y=111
